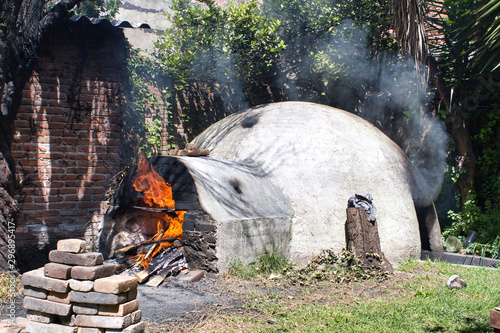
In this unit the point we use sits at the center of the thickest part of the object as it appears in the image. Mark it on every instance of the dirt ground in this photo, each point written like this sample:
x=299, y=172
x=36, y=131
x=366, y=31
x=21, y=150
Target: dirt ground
x=179, y=306
x=184, y=307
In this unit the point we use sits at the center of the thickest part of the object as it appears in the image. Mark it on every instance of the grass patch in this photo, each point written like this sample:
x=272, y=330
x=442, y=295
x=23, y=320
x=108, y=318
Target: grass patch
x=414, y=299
x=268, y=263
x=10, y=287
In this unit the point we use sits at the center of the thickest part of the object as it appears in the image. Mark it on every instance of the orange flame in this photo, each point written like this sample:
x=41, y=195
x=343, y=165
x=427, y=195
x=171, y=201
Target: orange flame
x=157, y=194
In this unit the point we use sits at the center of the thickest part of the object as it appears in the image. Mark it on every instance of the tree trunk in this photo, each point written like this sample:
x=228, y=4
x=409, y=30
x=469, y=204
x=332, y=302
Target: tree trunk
x=362, y=239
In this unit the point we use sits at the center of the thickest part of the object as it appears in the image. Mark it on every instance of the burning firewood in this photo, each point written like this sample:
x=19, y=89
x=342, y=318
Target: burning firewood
x=171, y=270
x=157, y=198
x=155, y=210
x=135, y=246
x=160, y=263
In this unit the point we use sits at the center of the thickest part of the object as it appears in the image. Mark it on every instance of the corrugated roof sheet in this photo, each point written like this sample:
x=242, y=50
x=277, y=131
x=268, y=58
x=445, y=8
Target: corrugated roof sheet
x=115, y=23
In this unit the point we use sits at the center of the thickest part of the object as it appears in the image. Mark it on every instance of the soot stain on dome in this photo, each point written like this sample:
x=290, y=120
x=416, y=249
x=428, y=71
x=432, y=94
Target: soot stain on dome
x=249, y=122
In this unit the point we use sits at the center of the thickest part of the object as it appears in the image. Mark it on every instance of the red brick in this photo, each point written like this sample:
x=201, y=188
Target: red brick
x=39, y=317
x=35, y=292
x=134, y=328
x=58, y=297
x=71, y=245
x=81, y=286
x=37, y=279
x=34, y=327
x=77, y=259
x=115, y=284
x=92, y=272
x=119, y=309
x=46, y=306
x=45, y=214
x=57, y=271
x=104, y=321
x=93, y=297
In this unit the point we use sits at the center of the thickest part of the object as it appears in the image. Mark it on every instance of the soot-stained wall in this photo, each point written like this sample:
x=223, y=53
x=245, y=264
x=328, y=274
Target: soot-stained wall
x=67, y=134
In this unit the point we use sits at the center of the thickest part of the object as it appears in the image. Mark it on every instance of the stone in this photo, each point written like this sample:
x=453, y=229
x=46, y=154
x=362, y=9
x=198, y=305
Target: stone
x=134, y=328
x=85, y=309
x=495, y=318
x=71, y=245
x=58, y=297
x=76, y=259
x=39, y=317
x=119, y=309
x=192, y=276
x=57, y=271
x=37, y=279
x=35, y=292
x=34, y=327
x=456, y=282
x=46, y=306
x=81, y=285
x=104, y=321
x=92, y=272
x=97, y=298
x=115, y=284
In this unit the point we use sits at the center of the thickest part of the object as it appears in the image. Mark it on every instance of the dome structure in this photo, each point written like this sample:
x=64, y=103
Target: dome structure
x=319, y=157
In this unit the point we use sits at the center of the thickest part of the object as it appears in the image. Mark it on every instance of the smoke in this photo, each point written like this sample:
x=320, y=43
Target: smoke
x=220, y=68
x=383, y=88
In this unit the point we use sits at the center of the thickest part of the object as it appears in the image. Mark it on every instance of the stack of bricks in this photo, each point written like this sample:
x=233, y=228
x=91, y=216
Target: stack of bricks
x=77, y=293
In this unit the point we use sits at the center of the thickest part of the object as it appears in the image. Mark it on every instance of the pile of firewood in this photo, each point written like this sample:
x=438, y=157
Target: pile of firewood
x=169, y=262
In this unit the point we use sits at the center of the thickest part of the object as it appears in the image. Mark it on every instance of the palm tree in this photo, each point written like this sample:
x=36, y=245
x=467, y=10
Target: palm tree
x=455, y=41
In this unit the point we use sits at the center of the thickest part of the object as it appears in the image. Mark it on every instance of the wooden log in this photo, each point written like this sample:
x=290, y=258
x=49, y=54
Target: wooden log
x=155, y=210
x=362, y=239
x=156, y=280
x=189, y=152
x=135, y=246
x=160, y=263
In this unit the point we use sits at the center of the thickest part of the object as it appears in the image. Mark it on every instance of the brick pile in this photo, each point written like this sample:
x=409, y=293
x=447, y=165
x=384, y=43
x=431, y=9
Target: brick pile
x=75, y=292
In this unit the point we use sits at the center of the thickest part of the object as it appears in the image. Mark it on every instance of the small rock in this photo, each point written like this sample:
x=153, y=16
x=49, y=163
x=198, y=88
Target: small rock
x=321, y=268
x=456, y=282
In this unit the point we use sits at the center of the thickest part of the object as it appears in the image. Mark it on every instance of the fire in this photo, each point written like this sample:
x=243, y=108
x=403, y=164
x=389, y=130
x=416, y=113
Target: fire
x=157, y=194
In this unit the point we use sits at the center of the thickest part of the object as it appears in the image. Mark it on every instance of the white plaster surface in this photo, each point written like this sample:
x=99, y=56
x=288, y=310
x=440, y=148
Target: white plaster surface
x=319, y=157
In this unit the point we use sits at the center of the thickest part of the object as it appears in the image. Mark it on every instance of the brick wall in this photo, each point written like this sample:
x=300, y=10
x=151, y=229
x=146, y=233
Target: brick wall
x=67, y=134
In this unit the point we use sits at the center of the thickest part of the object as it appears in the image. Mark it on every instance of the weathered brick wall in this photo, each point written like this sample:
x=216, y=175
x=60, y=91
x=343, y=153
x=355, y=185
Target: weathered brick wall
x=67, y=134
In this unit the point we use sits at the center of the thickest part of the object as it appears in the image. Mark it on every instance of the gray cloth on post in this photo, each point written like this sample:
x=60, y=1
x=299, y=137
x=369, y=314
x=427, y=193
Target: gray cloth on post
x=365, y=201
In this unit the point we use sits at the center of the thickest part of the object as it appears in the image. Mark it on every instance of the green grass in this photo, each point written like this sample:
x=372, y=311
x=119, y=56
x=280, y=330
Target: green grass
x=268, y=263
x=419, y=303
x=10, y=287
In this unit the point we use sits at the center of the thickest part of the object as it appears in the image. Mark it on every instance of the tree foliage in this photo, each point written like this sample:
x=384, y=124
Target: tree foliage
x=463, y=46
x=218, y=60
x=351, y=55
